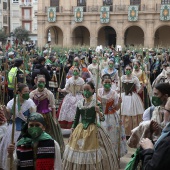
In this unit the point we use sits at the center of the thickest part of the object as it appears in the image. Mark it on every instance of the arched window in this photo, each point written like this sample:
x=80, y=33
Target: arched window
x=135, y=2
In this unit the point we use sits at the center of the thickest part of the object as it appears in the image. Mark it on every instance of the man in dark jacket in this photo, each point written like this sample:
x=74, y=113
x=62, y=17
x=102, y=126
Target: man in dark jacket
x=41, y=70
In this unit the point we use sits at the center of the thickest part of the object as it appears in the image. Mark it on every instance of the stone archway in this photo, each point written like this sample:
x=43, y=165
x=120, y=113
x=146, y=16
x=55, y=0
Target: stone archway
x=56, y=35
x=162, y=36
x=107, y=36
x=81, y=36
x=134, y=36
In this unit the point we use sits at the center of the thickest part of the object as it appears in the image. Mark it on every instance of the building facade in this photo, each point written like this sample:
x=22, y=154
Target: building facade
x=16, y=13
x=4, y=15
x=148, y=30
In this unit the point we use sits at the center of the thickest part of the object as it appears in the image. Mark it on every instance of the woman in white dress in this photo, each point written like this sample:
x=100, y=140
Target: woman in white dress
x=24, y=107
x=74, y=87
x=132, y=107
x=93, y=68
x=110, y=102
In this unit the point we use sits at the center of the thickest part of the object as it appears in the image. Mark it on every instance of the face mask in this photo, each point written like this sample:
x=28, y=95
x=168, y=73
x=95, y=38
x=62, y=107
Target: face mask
x=76, y=63
x=87, y=94
x=156, y=101
x=26, y=96
x=41, y=85
x=107, y=86
x=136, y=67
x=35, y=132
x=128, y=72
x=75, y=73
x=94, y=61
x=110, y=65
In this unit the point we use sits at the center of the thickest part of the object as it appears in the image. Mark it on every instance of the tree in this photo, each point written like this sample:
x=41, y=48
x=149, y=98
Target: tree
x=3, y=36
x=21, y=34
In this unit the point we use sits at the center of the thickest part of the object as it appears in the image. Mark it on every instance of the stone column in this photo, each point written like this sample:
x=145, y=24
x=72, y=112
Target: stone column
x=66, y=34
x=149, y=34
x=120, y=33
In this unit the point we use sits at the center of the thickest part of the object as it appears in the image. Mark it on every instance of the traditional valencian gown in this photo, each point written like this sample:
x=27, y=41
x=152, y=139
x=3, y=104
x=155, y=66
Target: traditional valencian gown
x=83, y=146
x=94, y=71
x=22, y=113
x=68, y=108
x=114, y=76
x=132, y=107
x=112, y=120
x=147, y=90
x=44, y=101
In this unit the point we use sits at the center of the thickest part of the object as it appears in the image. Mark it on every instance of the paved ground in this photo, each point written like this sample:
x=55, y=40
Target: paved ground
x=124, y=160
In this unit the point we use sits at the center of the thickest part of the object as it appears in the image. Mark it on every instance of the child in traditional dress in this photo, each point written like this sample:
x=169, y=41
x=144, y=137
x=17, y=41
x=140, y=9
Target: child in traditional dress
x=36, y=150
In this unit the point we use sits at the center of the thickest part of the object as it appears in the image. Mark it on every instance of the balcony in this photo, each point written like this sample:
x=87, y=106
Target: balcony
x=58, y=9
x=114, y=9
x=26, y=5
x=26, y=18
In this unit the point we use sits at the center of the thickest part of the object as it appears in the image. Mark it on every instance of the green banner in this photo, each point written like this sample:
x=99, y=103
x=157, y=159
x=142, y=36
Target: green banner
x=165, y=13
x=133, y=13
x=78, y=14
x=105, y=14
x=52, y=14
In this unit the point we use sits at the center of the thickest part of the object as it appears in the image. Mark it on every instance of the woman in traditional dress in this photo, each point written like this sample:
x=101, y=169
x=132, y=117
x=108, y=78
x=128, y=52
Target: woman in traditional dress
x=140, y=74
x=74, y=87
x=45, y=102
x=24, y=107
x=93, y=68
x=104, y=63
x=111, y=103
x=113, y=73
x=132, y=106
x=86, y=148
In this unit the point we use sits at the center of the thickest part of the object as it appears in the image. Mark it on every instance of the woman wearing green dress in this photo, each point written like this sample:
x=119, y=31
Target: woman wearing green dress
x=89, y=146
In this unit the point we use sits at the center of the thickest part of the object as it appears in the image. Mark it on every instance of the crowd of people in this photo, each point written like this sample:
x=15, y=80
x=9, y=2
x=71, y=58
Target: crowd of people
x=111, y=99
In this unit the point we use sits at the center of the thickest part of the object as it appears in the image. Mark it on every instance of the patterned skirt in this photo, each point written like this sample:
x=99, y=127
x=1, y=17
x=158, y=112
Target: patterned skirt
x=113, y=128
x=89, y=149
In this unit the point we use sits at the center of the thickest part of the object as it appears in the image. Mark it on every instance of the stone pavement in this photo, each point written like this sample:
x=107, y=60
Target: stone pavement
x=123, y=161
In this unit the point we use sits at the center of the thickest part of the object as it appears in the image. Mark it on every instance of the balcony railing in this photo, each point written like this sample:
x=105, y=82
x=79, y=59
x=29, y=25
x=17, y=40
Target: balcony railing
x=58, y=9
x=26, y=4
x=113, y=8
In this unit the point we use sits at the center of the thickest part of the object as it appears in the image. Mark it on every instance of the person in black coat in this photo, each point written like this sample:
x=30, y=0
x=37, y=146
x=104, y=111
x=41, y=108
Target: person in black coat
x=157, y=157
x=40, y=69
